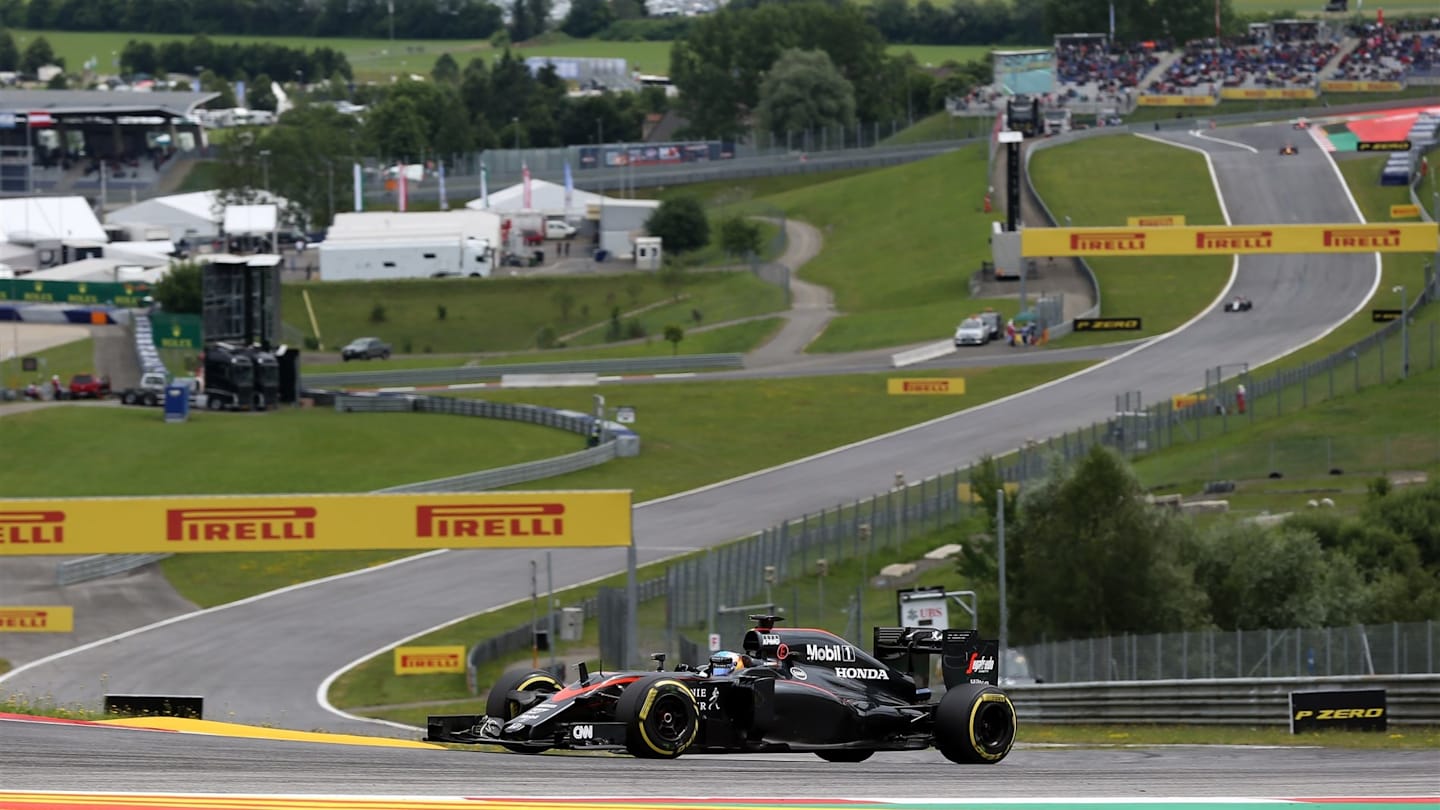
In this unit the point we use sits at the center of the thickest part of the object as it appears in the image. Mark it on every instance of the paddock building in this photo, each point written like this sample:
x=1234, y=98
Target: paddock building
x=91, y=142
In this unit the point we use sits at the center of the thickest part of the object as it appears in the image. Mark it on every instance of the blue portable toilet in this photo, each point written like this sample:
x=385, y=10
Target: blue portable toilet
x=177, y=403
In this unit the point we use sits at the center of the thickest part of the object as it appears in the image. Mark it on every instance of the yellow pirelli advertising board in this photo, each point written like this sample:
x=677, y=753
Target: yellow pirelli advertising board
x=1340, y=86
x=37, y=619
x=1404, y=212
x=1215, y=240
x=1157, y=221
x=925, y=385
x=429, y=660
x=1266, y=93
x=315, y=522
x=1176, y=101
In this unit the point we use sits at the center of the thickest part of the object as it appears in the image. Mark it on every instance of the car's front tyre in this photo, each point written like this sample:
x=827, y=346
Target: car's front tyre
x=660, y=715
x=502, y=705
x=975, y=724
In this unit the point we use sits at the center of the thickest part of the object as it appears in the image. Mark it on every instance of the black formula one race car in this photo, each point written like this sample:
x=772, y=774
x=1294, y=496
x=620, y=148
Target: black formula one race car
x=1239, y=304
x=1289, y=149
x=791, y=690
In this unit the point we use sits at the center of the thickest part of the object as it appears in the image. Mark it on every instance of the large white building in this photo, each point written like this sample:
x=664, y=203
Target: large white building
x=545, y=197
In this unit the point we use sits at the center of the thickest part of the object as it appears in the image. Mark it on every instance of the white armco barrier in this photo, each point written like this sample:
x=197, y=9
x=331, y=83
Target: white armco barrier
x=912, y=356
x=548, y=380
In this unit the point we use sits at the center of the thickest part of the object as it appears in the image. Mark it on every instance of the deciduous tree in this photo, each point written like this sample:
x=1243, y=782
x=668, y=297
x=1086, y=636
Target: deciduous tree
x=803, y=91
x=681, y=224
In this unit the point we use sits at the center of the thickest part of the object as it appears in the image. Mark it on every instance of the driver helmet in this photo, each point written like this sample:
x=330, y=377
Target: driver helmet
x=725, y=663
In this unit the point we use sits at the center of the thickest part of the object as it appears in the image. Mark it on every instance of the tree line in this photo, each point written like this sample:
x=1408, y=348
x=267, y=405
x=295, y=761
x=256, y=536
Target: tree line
x=412, y=19
x=233, y=60
x=1087, y=556
x=460, y=111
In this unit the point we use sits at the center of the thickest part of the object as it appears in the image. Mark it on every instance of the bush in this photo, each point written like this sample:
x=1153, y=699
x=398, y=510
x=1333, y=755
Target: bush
x=635, y=329
x=311, y=343
x=440, y=312
x=377, y=313
x=546, y=338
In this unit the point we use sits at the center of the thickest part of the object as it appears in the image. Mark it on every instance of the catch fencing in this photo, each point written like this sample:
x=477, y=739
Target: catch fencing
x=1411, y=700
x=1304, y=652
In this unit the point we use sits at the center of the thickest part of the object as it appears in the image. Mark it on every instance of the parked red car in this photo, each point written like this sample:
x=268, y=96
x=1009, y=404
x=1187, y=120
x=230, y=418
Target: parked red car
x=88, y=386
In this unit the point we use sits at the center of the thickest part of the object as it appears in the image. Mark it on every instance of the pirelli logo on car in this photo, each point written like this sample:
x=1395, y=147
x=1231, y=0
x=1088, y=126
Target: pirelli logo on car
x=1108, y=242
x=429, y=660
x=41, y=619
x=240, y=524
x=1233, y=240
x=28, y=528
x=1106, y=324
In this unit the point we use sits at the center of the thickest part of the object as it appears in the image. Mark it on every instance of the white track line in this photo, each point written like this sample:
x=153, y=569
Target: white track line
x=1202, y=136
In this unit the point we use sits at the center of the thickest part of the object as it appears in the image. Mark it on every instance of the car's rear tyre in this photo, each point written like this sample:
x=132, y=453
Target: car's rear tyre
x=975, y=724
x=845, y=755
x=500, y=704
x=660, y=715
x=128, y=398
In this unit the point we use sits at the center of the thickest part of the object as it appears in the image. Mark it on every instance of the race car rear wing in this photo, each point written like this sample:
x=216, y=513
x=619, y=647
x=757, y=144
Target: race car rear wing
x=964, y=656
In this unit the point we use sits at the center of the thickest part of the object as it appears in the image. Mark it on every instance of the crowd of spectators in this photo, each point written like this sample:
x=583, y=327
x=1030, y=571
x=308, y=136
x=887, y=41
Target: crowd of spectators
x=1386, y=54
x=1281, y=63
x=1107, y=69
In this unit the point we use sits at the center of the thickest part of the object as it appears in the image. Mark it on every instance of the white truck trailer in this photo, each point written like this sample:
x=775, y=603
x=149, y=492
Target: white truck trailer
x=417, y=257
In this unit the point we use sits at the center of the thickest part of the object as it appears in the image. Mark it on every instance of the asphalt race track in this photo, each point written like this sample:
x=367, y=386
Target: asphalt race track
x=262, y=661
x=39, y=757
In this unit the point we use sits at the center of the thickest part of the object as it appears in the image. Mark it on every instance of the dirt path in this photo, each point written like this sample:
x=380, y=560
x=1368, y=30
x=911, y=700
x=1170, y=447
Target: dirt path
x=811, y=306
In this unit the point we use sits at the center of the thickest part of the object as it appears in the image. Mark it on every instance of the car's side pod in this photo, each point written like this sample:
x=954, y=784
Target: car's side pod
x=964, y=656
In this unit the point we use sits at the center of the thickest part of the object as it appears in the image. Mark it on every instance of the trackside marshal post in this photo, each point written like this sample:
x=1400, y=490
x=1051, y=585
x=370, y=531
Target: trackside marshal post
x=301, y=522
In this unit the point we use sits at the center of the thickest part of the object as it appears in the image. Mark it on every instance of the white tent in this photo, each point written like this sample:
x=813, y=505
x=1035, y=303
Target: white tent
x=545, y=197
x=196, y=216
x=109, y=270
x=27, y=220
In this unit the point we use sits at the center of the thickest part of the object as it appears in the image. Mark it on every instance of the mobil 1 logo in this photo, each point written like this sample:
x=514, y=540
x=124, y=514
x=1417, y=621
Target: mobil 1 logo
x=1351, y=709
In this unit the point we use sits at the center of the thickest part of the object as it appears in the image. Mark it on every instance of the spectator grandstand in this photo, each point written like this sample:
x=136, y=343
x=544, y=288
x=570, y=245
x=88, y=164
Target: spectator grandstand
x=1386, y=54
x=1274, y=60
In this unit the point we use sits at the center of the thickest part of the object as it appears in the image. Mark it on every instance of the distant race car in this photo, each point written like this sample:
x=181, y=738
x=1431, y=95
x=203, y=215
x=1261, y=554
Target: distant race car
x=791, y=690
x=1300, y=123
x=1289, y=149
x=1239, y=304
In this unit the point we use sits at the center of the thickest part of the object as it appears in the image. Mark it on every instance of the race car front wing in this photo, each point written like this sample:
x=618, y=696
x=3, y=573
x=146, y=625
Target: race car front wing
x=477, y=729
